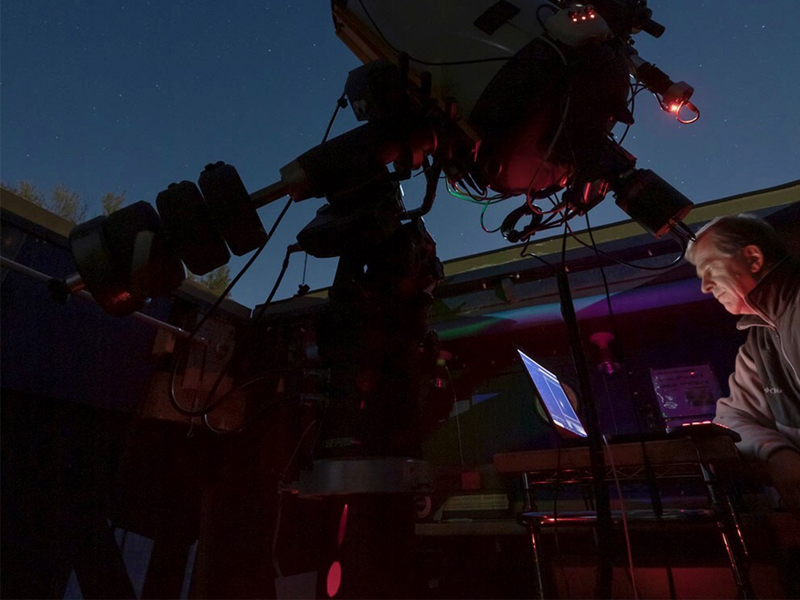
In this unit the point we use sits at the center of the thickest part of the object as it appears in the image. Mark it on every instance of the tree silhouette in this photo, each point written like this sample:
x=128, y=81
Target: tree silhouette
x=68, y=204
x=217, y=280
x=63, y=201
x=112, y=202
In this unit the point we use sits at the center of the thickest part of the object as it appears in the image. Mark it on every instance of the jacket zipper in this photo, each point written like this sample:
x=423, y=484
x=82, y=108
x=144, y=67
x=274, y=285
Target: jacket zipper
x=786, y=358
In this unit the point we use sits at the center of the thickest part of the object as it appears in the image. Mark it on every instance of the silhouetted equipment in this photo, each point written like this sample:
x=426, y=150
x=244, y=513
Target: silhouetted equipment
x=504, y=101
x=125, y=258
x=190, y=228
x=231, y=208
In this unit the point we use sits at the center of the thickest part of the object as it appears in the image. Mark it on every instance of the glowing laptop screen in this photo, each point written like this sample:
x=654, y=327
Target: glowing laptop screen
x=553, y=397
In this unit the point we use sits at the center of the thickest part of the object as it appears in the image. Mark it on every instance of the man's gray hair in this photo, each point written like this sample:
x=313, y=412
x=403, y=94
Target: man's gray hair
x=732, y=233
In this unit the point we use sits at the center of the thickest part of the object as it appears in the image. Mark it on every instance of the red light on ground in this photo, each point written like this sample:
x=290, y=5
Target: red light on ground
x=342, y=526
x=334, y=579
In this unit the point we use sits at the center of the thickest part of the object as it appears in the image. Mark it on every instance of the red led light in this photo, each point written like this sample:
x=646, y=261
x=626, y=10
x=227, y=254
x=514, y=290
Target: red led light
x=342, y=526
x=334, y=579
x=123, y=296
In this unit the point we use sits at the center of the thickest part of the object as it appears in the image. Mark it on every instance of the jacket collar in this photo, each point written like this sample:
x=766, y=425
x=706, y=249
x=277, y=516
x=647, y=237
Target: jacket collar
x=773, y=294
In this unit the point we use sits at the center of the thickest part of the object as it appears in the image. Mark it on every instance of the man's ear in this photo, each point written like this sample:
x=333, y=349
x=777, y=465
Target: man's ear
x=754, y=258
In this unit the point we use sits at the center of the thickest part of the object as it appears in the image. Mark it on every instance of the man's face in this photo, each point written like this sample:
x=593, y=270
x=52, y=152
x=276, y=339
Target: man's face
x=729, y=278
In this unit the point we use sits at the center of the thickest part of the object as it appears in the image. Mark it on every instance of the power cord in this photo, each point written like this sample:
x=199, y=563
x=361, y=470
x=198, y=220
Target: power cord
x=185, y=353
x=289, y=251
x=281, y=484
x=555, y=518
x=627, y=264
x=624, y=518
x=340, y=103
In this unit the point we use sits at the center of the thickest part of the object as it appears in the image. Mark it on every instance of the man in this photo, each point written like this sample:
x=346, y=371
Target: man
x=743, y=263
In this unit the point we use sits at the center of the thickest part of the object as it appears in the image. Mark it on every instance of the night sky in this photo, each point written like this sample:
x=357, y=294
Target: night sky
x=131, y=96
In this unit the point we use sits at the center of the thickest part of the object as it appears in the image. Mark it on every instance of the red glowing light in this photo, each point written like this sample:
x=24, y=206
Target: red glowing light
x=342, y=526
x=123, y=296
x=675, y=107
x=334, y=579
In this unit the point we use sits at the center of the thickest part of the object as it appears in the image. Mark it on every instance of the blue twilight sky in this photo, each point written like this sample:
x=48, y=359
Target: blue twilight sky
x=131, y=95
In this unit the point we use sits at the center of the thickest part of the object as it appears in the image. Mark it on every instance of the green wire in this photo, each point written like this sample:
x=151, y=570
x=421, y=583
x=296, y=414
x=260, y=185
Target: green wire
x=483, y=226
x=470, y=198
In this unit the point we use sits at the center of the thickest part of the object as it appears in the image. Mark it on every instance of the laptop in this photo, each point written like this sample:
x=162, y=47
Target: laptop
x=562, y=414
x=554, y=399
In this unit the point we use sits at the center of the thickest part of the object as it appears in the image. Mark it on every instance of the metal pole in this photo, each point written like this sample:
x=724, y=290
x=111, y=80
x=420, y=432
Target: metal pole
x=39, y=276
x=597, y=462
x=269, y=194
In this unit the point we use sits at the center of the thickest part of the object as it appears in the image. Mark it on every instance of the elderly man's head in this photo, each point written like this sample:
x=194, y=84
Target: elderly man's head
x=731, y=255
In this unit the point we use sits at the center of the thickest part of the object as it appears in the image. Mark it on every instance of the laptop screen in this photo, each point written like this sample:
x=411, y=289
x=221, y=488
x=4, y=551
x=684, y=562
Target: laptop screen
x=553, y=397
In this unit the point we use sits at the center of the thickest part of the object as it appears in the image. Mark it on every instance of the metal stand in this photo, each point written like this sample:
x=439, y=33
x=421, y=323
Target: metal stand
x=600, y=493
x=731, y=532
x=373, y=337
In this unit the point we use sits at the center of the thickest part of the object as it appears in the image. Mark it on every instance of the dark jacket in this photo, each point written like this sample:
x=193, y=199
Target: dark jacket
x=764, y=404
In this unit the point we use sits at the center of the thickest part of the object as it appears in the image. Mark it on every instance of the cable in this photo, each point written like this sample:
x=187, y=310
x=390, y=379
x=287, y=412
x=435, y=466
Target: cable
x=172, y=394
x=340, y=103
x=652, y=483
x=564, y=249
x=276, y=285
x=692, y=108
x=564, y=113
x=483, y=226
x=627, y=264
x=458, y=411
x=532, y=255
x=281, y=483
x=555, y=517
x=453, y=189
x=246, y=422
x=603, y=275
x=624, y=518
x=539, y=17
x=185, y=352
x=632, y=104
x=231, y=360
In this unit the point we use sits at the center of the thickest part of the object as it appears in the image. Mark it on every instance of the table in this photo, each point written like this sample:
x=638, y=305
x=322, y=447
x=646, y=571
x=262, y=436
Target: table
x=687, y=458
